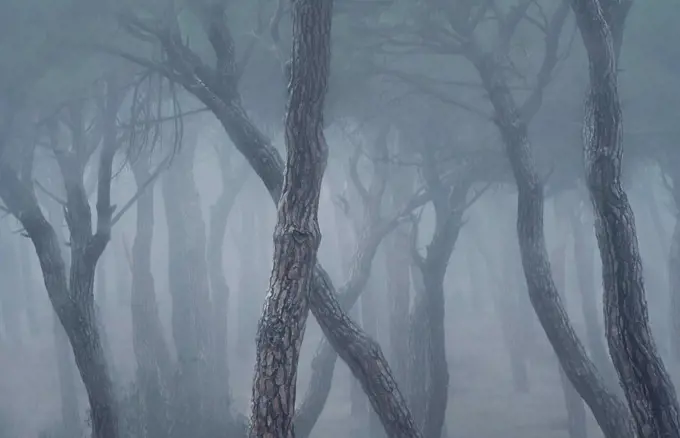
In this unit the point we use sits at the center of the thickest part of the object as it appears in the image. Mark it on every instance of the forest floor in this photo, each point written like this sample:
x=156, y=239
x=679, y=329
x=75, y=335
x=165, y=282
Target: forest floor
x=482, y=401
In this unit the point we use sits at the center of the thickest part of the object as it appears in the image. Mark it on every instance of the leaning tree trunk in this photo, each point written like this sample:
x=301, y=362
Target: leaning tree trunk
x=610, y=412
x=151, y=351
x=646, y=384
x=297, y=235
x=576, y=413
x=189, y=289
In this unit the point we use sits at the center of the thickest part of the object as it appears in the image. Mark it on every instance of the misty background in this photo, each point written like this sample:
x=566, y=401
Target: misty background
x=184, y=275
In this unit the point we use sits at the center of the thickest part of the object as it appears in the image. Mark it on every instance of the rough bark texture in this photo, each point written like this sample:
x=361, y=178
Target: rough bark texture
x=610, y=413
x=189, y=289
x=151, y=351
x=218, y=91
x=646, y=384
x=576, y=413
x=297, y=235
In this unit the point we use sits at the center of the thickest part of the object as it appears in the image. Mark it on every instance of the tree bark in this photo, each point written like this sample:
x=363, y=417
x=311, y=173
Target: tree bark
x=297, y=235
x=650, y=393
x=610, y=412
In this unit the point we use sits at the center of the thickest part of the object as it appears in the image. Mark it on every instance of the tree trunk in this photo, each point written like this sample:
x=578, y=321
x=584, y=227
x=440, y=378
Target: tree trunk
x=650, y=393
x=151, y=351
x=610, y=412
x=576, y=413
x=297, y=235
x=189, y=289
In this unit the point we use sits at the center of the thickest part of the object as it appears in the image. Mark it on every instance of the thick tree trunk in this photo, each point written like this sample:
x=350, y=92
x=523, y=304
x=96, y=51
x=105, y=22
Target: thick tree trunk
x=151, y=351
x=297, y=235
x=189, y=289
x=610, y=412
x=646, y=384
x=576, y=413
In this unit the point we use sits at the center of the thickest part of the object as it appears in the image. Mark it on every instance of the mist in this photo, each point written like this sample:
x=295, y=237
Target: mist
x=339, y=218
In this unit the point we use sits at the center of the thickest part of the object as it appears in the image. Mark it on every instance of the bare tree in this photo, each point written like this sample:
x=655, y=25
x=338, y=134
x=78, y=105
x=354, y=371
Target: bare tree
x=650, y=393
x=73, y=298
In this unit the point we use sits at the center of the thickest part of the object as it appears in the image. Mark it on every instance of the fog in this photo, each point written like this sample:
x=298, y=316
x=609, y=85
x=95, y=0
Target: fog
x=494, y=185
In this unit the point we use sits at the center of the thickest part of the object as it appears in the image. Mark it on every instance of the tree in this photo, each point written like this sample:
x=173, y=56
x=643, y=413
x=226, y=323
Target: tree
x=650, y=393
x=73, y=299
x=297, y=235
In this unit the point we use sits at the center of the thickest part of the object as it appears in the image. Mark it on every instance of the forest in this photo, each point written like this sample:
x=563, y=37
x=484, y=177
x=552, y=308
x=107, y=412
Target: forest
x=446, y=218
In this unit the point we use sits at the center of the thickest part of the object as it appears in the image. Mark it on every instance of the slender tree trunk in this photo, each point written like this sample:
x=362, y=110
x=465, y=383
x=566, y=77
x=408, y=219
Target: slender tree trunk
x=191, y=304
x=648, y=388
x=610, y=412
x=151, y=351
x=576, y=413
x=297, y=235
